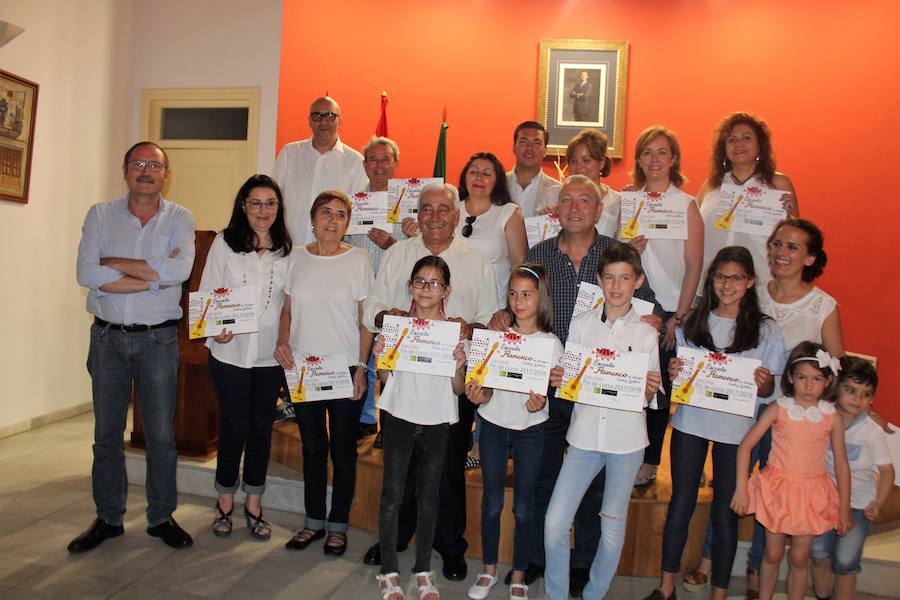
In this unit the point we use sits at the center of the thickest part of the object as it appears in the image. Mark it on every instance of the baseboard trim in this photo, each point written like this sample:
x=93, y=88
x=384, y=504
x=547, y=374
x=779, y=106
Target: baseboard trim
x=51, y=417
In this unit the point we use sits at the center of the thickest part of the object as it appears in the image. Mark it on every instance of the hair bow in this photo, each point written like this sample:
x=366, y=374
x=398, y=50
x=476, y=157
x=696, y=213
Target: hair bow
x=826, y=360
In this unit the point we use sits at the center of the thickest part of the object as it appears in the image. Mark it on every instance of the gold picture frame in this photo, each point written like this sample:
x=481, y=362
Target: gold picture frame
x=582, y=84
x=18, y=107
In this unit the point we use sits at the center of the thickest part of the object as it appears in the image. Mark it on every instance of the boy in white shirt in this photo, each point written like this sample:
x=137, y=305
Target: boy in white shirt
x=868, y=455
x=601, y=438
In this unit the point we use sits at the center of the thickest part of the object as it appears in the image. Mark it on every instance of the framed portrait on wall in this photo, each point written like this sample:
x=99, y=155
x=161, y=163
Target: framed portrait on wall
x=582, y=84
x=18, y=105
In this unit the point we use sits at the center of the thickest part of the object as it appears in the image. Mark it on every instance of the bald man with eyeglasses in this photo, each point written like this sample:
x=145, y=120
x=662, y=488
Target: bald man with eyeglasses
x=321, y=162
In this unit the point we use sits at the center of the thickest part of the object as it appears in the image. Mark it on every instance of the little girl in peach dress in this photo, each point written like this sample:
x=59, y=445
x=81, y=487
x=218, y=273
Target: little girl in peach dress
x=793, y=495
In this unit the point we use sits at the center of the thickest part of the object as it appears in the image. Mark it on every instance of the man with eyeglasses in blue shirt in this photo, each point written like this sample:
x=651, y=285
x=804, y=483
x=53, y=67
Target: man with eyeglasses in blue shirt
x=322, y=162
x=134, y=254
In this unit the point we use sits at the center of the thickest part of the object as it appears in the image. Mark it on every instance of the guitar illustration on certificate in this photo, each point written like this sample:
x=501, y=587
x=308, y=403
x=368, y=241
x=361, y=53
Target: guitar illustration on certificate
x=573, y=387
x=198, y=329
x=724, y=222
x=481, y=371
x=394, y=214
x=683, y=394
x=388, y=360
x=299, y=393
x=629, y=231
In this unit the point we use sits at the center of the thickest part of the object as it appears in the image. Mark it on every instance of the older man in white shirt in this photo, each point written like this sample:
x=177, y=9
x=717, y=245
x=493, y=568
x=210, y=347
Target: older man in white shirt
x=529, y=186
x=472, y=301
x=306, y=168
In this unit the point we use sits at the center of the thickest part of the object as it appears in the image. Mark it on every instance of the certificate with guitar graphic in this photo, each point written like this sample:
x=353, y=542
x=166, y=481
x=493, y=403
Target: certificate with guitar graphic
x=319, y=378
x=212, y=311
x=419, y=346
x=604, y=377
x=541, y=227
x=716, y=381
x=403, y=196
x=510, y=361
x=370, y=209
x=752, y=210
x=652, y=215
x=590, y=296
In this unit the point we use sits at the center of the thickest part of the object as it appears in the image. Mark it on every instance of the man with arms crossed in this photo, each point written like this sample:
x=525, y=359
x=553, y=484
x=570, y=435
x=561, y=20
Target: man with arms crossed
x=134, y=254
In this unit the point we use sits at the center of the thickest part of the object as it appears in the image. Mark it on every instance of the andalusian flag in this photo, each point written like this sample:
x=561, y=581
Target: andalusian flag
x=381, y=129
x=440, y=158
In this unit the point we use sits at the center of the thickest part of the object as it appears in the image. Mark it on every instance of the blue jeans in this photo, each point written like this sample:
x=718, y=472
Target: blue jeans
x=578, y=471
x=844, y=551
x=369, y=414
x=759, y=453
x=149, y=360
x=527, y=446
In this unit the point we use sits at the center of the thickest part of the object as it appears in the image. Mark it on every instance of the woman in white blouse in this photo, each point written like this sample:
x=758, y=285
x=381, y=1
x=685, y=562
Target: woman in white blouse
x=252, y=251
x=489, y=219
x=322, y=316
x=742, y=156
x=672, y=266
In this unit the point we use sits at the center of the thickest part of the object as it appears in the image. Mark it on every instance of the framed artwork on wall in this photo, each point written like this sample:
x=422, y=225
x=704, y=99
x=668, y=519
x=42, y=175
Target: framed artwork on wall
x=582, y=84
x=18, y=106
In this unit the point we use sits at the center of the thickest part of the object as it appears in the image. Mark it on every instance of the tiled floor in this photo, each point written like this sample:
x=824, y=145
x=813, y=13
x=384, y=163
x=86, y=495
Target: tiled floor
x=45, y=501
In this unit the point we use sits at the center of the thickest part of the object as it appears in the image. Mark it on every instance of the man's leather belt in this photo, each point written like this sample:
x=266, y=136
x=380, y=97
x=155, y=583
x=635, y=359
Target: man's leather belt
x=133, y=328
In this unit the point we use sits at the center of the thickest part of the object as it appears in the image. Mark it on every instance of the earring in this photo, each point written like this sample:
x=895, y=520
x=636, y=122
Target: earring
x=757, y=159
x=725, y=165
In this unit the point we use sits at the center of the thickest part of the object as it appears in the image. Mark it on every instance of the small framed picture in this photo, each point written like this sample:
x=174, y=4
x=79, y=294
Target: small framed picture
x=582, y=84
x=18, y=105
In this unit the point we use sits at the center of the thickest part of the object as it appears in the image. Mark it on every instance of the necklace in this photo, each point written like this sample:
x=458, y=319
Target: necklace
x=738, y=181
x=271, y=282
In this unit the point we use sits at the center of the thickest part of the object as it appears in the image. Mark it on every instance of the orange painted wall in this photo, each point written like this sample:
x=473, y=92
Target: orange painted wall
x=825, y=75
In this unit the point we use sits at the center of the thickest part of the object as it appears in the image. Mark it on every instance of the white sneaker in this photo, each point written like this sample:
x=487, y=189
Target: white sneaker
x=480, y=592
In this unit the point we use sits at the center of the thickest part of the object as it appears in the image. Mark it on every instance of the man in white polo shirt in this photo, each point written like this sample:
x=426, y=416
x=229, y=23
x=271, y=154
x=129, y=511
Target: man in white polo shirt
x=529, y=186
x=306, y=168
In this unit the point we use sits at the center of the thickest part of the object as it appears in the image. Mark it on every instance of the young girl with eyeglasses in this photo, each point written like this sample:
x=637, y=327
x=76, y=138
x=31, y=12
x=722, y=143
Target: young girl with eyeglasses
x=513, y=422
x=794, y=495
x=727, y=320
x=416, y=413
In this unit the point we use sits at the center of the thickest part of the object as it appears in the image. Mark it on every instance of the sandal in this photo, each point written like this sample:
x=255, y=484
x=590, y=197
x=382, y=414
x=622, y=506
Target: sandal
x=259, y=527
x=389, y=589
x=426, y=589
x=694, y=580
x=221, y=525
x=335, y=549
x=518, y=586
x=646, y=475
x=752, y=593
x=304, y=538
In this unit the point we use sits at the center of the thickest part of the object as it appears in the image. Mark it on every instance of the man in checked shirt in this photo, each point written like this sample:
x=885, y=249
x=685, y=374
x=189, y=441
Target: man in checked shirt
x=570, y=258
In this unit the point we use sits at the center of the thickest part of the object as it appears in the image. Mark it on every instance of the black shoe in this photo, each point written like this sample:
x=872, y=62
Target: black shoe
x=284, y=412
x=365, y=430
x=455, y=568
x=95, y=535
x=336, y=544
x=171, y=533
x=373, y=554
x=304, y=538
x=379, y=440
x=578, y=578
x=531, y=574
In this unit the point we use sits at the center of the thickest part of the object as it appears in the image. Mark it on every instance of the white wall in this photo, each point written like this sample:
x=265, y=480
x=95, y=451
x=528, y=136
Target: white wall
x=91, y=58
x=213, y=44
x=77, y=52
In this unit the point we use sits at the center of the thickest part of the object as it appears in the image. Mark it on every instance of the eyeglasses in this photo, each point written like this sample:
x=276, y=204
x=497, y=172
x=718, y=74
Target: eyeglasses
x=467, y=228
x=258, y=204
x=328, y=116
x=722, y=278
x=152, y=165
x=421, y=283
